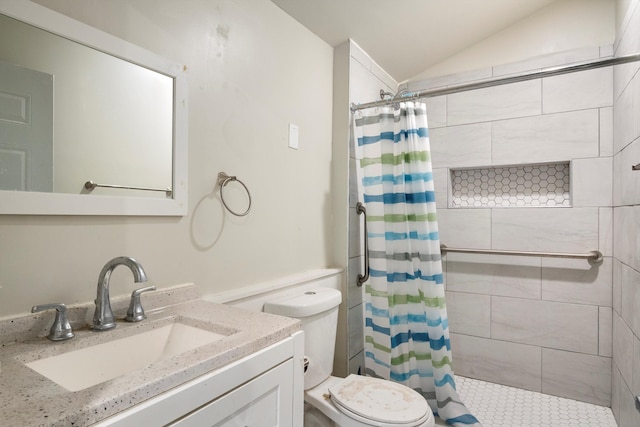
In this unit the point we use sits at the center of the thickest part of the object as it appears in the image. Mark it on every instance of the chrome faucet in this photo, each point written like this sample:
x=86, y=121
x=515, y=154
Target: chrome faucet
x=103, y=316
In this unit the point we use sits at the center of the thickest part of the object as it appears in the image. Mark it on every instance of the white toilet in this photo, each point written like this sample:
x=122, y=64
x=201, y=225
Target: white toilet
x=355, y=401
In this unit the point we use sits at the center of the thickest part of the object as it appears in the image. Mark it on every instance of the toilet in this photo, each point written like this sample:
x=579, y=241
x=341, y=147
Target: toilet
x=355, y=401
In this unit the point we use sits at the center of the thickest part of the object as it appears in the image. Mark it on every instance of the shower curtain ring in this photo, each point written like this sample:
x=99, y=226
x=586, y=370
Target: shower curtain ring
x=223, y=180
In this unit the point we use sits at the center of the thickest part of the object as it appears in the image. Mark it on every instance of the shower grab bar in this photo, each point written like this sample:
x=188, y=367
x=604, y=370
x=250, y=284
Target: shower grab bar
x=593, y=256
x=361, y=210
x=90, y=185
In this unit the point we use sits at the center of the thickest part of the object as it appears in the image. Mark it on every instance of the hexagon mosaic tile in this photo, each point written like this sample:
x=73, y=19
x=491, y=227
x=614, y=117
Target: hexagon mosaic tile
x=497, y=405
x=511, y=186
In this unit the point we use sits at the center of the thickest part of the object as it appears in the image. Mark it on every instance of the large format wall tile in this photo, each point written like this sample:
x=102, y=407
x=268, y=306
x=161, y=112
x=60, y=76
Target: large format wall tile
x=508, y=363
x=578, y=91
x=622, y=347
x=623, y=121
x=437, y=82
x=635, y=381
x=356, y=330
x=354, y=292
x=605, y=231
x=552, y=137
x=617, y=285
x=606, y=131
x=356, y=364
x=563, y=326
x=592, y=182
x=577, y=281
x=353, y=181
x=456, y=146
x=629, y=415
x=366, y=85
x=636, y=105
x=469, y=314
x=496, y=103
x=628, y=180
x=630, y=298
x=436, y=112
x=494, y=275
x=556, y=59
x=626, y=235
x=577, y=376
x=441, y=186
x=627, y=45
x=615, y=392
x=545, y=229
x=465, y=228
x=605, y=331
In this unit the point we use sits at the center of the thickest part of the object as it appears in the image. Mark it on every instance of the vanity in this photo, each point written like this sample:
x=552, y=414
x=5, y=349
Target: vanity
x=249, y=369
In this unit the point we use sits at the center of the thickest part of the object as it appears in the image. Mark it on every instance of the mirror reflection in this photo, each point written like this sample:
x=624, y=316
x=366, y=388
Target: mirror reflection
x=71, y=114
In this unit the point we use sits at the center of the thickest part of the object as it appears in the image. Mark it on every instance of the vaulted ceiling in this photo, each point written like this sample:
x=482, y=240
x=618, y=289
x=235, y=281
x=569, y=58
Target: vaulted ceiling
x=392, y=31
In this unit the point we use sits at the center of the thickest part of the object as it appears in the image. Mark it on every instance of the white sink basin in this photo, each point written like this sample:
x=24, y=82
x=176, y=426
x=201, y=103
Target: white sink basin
x=79, y=369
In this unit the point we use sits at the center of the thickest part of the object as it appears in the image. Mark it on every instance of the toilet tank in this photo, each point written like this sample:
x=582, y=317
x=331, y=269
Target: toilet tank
x=317, y=309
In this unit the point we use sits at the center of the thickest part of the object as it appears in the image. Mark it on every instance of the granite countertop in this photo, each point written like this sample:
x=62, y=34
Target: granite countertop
x=27, y=398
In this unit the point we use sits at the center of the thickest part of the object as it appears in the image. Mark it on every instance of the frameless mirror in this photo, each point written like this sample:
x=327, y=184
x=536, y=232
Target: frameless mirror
x=89, y=124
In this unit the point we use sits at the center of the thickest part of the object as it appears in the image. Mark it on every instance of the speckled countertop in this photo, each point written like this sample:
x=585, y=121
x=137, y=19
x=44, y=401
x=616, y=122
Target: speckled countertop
x=29, y=399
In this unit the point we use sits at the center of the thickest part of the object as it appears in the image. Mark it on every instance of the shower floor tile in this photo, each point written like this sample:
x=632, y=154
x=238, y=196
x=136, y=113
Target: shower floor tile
x=497, y=405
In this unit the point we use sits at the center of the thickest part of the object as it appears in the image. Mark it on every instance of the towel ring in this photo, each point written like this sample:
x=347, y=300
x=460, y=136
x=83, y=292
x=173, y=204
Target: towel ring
x=224, y=179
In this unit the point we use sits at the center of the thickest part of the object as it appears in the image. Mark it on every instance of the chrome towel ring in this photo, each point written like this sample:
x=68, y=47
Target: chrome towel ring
x=223, y=180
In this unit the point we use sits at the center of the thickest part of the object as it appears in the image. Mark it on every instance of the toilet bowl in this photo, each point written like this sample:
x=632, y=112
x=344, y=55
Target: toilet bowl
x=355, y=401
x=358, y=401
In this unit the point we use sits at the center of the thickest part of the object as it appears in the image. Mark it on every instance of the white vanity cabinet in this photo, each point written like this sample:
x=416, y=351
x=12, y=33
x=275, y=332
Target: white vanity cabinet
x=264, y=389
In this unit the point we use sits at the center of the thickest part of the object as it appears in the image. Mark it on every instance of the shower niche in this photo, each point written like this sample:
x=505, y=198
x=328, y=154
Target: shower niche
x=533, y=185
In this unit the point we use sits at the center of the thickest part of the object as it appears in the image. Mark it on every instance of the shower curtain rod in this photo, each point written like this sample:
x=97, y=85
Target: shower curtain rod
x=545, y=72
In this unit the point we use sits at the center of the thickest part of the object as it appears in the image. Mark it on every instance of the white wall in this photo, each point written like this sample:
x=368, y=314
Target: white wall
x=251, y=70
x=561, y=26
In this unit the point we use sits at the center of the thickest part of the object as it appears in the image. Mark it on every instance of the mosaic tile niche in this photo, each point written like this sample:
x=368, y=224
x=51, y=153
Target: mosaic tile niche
x=544, y=185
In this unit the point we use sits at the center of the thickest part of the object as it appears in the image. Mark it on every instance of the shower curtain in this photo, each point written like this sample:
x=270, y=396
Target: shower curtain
x=406, y=327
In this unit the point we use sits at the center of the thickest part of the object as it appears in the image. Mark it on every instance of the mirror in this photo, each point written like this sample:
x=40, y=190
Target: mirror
x=89, y=124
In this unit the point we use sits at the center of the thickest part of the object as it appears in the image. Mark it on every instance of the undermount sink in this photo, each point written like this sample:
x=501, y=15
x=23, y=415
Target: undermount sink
x=79, y=369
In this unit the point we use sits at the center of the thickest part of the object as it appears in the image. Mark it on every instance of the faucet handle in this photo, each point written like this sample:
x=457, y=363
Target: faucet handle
x=135, y=313
x=61, y=329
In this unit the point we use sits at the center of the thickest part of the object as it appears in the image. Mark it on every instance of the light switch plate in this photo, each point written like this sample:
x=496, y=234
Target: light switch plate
x=293, y=136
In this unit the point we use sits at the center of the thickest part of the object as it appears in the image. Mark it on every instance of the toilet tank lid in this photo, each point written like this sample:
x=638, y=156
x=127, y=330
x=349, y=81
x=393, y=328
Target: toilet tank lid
x=306, y=303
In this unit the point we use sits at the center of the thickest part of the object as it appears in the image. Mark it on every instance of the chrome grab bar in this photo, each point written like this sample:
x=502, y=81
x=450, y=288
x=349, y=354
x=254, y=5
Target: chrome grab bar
x=361, y=210
x=593, y=256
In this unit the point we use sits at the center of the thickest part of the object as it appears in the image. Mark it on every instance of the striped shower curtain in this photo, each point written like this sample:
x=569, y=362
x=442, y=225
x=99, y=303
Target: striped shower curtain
x=406, y=326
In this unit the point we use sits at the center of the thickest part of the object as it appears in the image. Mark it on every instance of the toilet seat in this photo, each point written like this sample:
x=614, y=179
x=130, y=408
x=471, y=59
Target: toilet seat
x=367, y=399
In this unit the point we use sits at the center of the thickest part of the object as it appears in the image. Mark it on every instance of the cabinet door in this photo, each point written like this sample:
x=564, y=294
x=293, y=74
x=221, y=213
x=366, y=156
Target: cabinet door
x=265, y=401
x=180, y=403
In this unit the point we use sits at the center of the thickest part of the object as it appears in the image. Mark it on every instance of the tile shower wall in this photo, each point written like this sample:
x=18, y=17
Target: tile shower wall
x=366, y=79
x=626, y=217
x=541, y=324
